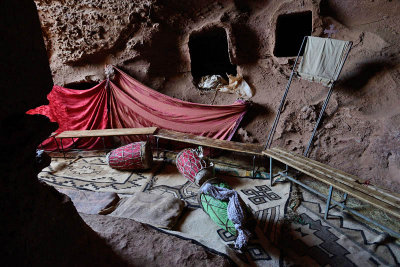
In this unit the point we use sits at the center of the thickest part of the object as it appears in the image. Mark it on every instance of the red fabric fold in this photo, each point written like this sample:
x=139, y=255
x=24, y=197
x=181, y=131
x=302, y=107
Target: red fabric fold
x=133, y=104
x=76, y=110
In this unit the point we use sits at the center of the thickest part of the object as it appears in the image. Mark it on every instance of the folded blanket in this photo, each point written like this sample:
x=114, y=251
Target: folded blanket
x=157, y=210
x=90, y=202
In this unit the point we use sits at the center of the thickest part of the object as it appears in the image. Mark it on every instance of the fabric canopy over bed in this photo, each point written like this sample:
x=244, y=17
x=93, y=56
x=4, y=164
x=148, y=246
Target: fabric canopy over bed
x=123, y=102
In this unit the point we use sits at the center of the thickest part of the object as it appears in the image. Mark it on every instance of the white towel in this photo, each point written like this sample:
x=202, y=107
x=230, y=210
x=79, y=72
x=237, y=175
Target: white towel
x=322, y=59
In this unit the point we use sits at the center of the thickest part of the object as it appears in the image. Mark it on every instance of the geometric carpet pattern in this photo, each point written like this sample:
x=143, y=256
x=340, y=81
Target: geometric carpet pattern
x=94, y=174
x=338, y=241
x=265, y=203
x=307, y=241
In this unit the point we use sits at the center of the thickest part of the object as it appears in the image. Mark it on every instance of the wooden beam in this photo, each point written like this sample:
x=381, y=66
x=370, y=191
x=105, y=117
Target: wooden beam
x=252, y=149
x=107, y=132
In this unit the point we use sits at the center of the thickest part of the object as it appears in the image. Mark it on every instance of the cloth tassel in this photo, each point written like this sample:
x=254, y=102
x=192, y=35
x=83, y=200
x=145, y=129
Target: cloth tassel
x=235, y=211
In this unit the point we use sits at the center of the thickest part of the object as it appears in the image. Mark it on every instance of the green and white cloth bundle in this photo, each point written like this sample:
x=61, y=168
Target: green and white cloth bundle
x=224, y=207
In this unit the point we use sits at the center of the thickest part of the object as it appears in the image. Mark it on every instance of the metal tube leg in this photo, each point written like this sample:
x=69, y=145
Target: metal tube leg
x=328, y=202
x=104, y=144
x=270, y=171
x=278, y=114
x=254, y=163
x=158, y=150
x=344, y=201
x=55, y=140
x=344, y=198
x=62, y=147
x=318, y=121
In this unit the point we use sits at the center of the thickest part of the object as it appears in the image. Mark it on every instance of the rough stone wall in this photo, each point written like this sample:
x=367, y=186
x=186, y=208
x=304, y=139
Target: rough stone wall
x=149, y=39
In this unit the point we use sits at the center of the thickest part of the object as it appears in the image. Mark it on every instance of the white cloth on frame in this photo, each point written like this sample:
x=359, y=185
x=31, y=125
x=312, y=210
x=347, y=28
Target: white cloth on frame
x=322, y=59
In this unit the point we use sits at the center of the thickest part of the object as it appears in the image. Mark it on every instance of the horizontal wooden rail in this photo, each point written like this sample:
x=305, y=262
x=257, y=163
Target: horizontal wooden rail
x=252, y=149
x=107, y=132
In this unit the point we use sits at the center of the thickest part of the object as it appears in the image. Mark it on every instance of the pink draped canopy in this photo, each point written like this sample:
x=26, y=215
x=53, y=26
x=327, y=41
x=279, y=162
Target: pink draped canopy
x=126, y=103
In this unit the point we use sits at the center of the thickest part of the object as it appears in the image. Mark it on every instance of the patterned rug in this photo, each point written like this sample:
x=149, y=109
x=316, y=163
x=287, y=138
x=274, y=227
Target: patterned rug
x=267, y=205
x=338, y=241
x=306, y=240
x=93, y=173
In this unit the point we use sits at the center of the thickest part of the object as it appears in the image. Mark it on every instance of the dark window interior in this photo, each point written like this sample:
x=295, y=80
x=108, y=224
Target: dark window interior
x=290, y=31
x=81, y=85
x=209, y=54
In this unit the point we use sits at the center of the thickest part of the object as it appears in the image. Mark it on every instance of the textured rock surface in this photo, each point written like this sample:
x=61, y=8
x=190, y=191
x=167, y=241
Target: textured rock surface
x=80, y=30
x=140, y=245
x=149, y=40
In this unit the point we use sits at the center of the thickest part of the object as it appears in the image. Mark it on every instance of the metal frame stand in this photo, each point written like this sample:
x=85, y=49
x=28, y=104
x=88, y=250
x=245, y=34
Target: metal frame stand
x=271, y=173
x=62, y=146
x=328, y=202
x=157, y=147
x=278, y=114
x=53, y=136
x=307, y=151
x=325, y=104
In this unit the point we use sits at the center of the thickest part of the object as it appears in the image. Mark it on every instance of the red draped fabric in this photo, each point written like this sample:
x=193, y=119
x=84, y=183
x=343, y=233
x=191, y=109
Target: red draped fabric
x=76, y=110
x=131, y=105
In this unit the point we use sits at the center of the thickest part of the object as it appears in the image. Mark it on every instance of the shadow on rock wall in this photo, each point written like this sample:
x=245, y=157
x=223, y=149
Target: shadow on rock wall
x=357, y=79
x=163, y=53
x=247, y=44
x=254, y=111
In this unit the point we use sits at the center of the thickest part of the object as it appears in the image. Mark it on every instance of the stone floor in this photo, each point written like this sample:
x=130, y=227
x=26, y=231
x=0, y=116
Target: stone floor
x=141, y=245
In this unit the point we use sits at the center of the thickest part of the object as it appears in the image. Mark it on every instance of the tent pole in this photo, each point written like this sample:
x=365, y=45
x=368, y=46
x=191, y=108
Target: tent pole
x=278, y=114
